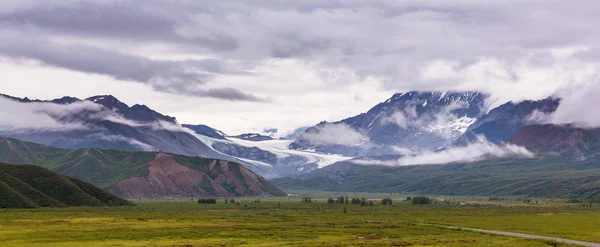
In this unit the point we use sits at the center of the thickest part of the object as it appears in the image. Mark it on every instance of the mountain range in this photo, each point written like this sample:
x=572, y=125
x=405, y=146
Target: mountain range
x=107, y=123
x=100, y=132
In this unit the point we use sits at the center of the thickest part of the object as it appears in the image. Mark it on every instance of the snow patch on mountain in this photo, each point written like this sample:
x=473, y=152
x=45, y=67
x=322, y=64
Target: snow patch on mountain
x=280, y=148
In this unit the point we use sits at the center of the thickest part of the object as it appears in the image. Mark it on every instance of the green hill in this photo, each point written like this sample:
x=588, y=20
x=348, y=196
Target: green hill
x=29, y=186
x=133, y=174
x=568, y=175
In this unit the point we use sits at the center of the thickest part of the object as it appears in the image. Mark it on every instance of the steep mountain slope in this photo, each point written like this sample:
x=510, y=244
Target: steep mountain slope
x=557, y=138
x=28, y=186
x=564, y=175
x=204, y=130
x=141, y=174
x=506, y=120
x=414, y=120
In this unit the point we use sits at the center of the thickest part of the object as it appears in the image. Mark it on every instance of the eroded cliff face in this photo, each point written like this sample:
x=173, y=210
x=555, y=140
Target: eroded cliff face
x=167, y=178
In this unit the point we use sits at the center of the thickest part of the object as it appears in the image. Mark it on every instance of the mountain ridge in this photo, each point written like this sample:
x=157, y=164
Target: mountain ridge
x=107, y=168
x=29, y=186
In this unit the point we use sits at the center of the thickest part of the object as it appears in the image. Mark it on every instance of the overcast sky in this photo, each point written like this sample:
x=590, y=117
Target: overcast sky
x=242, y=66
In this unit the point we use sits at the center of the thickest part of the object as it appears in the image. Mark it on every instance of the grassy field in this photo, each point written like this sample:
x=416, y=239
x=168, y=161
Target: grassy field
x=290, y=222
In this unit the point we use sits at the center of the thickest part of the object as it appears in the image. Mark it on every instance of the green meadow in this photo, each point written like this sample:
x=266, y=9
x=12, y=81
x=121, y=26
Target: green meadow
x=291, y=222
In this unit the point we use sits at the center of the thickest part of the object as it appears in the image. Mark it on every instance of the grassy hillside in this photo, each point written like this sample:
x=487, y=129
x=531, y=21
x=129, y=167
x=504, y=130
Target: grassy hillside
x=567, y=175
x=28, y=186
x=111, y=169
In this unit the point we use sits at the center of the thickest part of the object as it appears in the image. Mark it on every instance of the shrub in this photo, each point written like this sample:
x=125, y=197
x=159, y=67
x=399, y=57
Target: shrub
x=421, y=200
x=330, y=201
x=207, y=201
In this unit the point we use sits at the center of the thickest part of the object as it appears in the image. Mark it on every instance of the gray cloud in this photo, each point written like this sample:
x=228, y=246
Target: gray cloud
x=579, y=105
x=402, y=43
x=178, y=77
x=32, y=117
x=339, y=134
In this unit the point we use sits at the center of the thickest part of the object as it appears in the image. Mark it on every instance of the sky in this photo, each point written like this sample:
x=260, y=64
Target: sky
x=243, y=66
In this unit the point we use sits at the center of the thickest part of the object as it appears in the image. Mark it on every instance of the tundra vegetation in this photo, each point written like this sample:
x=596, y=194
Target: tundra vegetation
x=291, y=221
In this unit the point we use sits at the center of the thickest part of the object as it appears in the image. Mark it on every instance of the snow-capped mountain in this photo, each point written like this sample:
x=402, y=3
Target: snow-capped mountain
x=413, y=120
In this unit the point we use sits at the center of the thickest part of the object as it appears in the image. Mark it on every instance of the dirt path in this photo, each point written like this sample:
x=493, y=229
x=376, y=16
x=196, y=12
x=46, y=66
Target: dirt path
x=523, y=235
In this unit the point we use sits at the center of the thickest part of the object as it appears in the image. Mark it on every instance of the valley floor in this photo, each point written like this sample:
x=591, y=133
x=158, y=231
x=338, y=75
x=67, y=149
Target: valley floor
x=290, y=222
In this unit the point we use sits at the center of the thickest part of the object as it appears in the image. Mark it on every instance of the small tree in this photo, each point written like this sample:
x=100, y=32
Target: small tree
x=386, y=201
x=330, y=201
x=207, y=201
x=363, y=202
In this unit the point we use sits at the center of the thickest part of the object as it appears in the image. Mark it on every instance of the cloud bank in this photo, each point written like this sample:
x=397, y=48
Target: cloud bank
x=31, y=117
x=579, y=106
x=337, y=134
x=480, y=150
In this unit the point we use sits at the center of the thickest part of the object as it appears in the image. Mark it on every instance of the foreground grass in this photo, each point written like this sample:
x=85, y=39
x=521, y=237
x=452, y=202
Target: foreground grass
x=288, y=222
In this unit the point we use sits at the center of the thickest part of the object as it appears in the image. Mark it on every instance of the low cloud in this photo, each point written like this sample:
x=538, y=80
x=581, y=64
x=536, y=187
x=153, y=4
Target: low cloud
x=403, y=118
x=579, y=105
x=480, y=150
x=116, y=138
x=539, y=117
x=46, y=116
x=338, y=134
x=444, y=123
x=31, y=117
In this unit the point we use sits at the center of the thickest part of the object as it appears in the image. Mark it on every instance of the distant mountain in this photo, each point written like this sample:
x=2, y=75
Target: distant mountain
x=141, y=174
x=557, y=138
x=139, y=113
x=28, y=186
x=255, y=137
x=413, y=120
x=295, y=134
x=506, y=120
